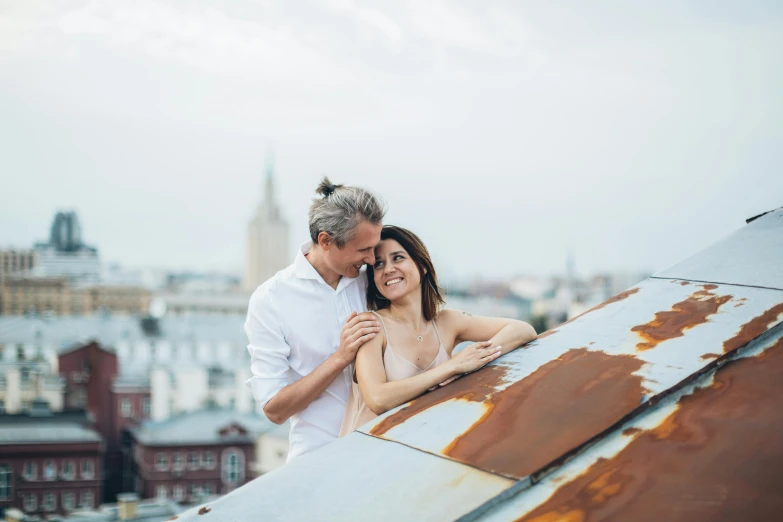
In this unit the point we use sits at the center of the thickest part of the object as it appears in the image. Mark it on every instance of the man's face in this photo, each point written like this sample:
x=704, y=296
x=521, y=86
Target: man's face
x=357, y=252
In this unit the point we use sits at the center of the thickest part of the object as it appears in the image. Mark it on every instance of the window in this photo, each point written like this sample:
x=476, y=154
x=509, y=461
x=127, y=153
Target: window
x=68, y=501
x=233, y=462
x=161, y=461
x=194, y=489
x=146, y=406
x=87, y=470
x=193, y=460
x=30, y=502
x=79, y=398
x=5, y=482
x=126, y=407
x=49, y=503
x=87, y=499
x=2, y=403
x=67, y=470
x=179, y=462
x=207, y=488
x=161, y=492
x=50, y=470
x=179, y=492
x=30, y=471
x=208, y=458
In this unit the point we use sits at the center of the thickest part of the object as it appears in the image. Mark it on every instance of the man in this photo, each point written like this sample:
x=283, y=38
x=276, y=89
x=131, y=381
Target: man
x=307, y=322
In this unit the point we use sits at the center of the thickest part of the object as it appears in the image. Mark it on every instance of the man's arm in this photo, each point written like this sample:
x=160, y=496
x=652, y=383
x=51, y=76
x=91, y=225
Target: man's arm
x=269, y=360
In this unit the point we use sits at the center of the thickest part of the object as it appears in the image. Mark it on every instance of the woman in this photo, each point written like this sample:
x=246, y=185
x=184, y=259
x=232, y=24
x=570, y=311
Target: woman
x=412, y=353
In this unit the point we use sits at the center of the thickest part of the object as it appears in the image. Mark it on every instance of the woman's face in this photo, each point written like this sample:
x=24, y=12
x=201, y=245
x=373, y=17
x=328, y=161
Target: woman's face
x=395, y=273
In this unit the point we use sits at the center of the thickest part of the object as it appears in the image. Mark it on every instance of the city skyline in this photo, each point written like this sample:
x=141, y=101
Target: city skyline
x=505, y=136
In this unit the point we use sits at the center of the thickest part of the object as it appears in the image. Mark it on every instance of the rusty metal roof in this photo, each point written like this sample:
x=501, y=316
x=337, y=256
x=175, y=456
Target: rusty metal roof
x=660, y=404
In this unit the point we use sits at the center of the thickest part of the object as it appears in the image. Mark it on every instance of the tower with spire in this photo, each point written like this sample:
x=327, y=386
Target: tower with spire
x=267, y=235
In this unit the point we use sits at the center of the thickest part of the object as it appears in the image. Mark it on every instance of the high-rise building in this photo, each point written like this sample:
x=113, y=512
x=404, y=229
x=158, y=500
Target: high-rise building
x=267, y=236
x=65, y=255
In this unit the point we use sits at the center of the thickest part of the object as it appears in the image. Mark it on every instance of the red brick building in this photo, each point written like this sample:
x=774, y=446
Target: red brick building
x=90, y=372
x=50, y=462
x=210, y=451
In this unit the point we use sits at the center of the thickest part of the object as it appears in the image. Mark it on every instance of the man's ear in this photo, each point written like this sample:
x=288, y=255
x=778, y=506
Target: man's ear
x=324, y=240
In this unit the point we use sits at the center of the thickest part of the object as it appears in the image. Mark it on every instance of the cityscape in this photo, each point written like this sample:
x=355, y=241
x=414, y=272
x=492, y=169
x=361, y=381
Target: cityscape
x=125, y=389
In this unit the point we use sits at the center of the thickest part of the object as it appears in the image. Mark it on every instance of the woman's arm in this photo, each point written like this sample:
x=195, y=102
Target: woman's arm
x=381, y=395
x=507, y=334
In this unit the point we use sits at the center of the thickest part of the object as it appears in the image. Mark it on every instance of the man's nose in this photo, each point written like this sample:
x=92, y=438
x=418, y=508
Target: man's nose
x=368, y=259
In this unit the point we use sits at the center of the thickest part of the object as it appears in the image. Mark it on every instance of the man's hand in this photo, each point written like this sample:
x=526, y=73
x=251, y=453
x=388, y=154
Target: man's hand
x=358, y=329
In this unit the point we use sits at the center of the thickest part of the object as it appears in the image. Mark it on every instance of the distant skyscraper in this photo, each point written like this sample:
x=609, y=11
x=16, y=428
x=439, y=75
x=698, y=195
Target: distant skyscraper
x=65, y=255
x=267, y=236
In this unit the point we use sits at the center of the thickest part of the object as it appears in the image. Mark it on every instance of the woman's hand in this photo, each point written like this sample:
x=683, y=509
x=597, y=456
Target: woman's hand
x=474, y=356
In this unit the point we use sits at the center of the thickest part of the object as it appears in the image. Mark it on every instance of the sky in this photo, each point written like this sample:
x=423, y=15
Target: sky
x=506, y=134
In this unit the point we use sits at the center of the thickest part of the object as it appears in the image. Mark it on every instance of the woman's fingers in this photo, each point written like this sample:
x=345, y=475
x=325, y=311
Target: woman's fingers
x=492, y=355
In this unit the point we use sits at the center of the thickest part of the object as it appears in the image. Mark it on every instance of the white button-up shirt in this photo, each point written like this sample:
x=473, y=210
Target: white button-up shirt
x=294, y=322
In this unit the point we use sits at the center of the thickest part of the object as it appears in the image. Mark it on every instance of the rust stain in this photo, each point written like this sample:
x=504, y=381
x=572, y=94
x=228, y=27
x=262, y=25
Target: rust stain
x=753, y=328
x=695, y=310
x=475, y=387
x=619, y=297
x=718, y=457
x=684, y=283
x=631, y=431
x=204, y=510
x=175, y=517
x=550, y=412
x=708, y=356
x=740, y=302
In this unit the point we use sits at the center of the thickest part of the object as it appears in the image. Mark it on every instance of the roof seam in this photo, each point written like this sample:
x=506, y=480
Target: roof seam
x=715, y=282
x=512, y=479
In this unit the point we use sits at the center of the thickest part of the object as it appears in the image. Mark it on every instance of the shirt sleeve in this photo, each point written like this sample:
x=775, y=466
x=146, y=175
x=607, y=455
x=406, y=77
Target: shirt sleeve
x=267, y=347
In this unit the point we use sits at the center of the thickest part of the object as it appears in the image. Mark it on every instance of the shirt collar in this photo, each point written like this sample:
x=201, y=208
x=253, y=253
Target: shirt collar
x=304, y=270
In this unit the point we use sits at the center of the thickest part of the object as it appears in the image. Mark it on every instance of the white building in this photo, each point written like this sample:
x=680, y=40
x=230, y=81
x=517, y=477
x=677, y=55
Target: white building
x=188, y=362
x=267, y=238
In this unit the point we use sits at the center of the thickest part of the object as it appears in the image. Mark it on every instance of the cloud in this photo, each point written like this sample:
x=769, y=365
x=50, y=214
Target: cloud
x=203, y=37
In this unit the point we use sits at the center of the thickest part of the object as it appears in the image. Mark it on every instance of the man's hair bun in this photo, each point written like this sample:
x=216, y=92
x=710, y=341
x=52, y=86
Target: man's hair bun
x=326, y=187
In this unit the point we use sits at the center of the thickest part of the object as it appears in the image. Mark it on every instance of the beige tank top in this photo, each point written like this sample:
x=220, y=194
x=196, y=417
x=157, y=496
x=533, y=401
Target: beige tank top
x=397, y=367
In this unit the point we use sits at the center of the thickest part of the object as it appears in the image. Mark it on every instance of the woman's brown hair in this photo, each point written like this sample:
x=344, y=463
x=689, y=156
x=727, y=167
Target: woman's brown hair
x=431, y=293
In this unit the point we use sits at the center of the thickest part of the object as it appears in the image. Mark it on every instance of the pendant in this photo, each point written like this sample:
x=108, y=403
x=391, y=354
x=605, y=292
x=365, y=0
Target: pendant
x=419, y=338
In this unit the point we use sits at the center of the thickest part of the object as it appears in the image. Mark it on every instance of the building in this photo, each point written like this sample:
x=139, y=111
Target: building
x=267, y=237
x=12, y=261
x=661, y=403
x=24, y=382
x=49, y=462
x=61, y=296
x=272, y=448
x=127, y=509
x=65, y=255
x=207, y=452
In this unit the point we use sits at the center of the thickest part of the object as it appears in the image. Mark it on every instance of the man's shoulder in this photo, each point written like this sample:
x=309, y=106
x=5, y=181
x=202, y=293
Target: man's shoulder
x=271, y=286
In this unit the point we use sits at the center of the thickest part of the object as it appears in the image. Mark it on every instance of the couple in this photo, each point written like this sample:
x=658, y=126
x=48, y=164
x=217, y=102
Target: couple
x=319, y=358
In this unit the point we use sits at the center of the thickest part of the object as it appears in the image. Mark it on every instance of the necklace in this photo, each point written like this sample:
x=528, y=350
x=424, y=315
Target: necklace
x=420, y=338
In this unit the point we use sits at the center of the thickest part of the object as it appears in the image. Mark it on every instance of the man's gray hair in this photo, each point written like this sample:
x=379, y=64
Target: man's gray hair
x=341, y=209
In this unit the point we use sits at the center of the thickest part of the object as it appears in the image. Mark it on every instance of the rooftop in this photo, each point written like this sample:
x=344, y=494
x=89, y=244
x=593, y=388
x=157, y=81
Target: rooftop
x=45, y=427
x=661, y=403
x=200, y=427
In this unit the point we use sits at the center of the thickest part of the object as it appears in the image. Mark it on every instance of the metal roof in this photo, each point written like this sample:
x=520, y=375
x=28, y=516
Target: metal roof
x=46, y=433
x=200, y=427
x=660, y=404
